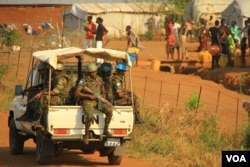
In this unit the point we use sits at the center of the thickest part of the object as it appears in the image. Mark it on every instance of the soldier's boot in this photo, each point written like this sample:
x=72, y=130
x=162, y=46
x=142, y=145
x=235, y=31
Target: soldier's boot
x=138, y=119
x=106, y=129
x=86, y=136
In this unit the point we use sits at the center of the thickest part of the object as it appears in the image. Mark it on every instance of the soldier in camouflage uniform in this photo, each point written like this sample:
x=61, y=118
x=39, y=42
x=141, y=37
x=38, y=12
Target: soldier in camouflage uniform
x=121, y=95
x=32, y=91
x=60, y=87
x=105, y=72
x=90, y=102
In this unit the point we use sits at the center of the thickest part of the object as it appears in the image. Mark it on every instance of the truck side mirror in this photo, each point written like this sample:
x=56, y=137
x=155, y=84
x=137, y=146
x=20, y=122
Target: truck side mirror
x=18, y=90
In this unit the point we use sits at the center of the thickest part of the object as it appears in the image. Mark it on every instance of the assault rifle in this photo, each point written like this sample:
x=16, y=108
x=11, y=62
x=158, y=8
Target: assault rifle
x=99, y=97
x=34, y=97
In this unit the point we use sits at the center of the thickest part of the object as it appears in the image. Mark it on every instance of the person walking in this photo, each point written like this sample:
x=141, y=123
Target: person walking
x=176, y=29
x=133, y=43
x=90, y=29
x=123, y=96
x=183, y=41
x=100, y=32
x=215, y=44
x=91, y=81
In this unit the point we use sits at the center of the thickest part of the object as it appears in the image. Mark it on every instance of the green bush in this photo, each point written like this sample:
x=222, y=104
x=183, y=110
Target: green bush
x=10, y=37
x=3, y=70
x=193, y=102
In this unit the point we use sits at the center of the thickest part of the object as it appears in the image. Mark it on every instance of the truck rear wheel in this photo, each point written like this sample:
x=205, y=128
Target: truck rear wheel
x=16, y=141
x=40, y=157
x=113, y=159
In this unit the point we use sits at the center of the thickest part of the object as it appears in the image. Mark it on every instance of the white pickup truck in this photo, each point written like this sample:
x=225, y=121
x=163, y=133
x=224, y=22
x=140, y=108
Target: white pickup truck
x=62, y=127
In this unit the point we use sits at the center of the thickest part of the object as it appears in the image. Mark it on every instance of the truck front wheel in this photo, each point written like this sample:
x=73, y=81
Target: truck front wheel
x=113, y=159
x=16, y=141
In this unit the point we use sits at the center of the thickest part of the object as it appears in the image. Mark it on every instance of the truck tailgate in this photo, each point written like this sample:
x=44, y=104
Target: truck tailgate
x=69, y=121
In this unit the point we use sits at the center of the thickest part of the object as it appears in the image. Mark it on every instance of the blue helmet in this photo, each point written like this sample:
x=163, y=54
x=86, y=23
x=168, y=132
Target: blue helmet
x=106, y=67
x=121, y=66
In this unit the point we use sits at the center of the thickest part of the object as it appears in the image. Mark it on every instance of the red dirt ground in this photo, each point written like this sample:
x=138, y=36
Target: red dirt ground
x=153, y=50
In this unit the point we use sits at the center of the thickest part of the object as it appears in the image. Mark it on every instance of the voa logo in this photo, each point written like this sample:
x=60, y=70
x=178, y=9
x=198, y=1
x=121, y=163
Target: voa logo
x=236, y=158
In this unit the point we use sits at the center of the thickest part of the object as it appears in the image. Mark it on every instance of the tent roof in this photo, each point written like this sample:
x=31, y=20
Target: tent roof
x=197, y=7
x=53, y=2
x=52, y=56
x=96, y=8
x=242, y=7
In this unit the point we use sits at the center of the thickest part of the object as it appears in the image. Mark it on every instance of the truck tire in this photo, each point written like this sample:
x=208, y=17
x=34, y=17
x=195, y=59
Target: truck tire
x=16, y=141
x=113, y=159
x=40, y=158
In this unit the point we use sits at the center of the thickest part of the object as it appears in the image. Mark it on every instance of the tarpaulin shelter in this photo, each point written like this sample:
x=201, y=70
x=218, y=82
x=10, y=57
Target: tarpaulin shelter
x=238, y=10
x=205, y=8
x=116, y=16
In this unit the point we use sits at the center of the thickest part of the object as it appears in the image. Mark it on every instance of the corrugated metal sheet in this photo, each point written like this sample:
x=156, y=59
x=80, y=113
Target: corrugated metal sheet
x=58, y=2
x=242, y=7
x=97, y=8
x=198, y=7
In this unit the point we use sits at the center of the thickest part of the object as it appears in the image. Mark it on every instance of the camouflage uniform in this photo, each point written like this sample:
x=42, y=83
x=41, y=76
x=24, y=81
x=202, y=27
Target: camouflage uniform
x=60, y=84
x=90, y=105
x=117, y=86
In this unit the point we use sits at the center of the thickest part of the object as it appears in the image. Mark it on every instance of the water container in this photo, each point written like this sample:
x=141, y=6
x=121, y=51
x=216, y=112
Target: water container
x=247, y=58
x=223, y=61
x=155, y=65
x=237, y=61
x=205, y=56
x=132, y=57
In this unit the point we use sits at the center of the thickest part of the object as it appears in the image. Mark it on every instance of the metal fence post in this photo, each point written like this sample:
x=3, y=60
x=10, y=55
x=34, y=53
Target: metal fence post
x=198, y=103
x=178, y=91
x=160, y=94
x=144, y=92
x=237, y=115
x=217, y=103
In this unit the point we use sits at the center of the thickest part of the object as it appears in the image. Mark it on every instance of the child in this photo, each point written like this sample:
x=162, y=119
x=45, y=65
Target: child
x=243, y=51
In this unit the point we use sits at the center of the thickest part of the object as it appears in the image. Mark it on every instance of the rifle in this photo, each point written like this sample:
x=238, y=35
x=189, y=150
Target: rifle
x=99, y=97
x=34, y=97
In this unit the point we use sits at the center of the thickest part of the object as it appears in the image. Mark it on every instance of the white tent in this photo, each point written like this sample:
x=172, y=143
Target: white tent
x=238, y=10
x=204, y=8
x=116, y=16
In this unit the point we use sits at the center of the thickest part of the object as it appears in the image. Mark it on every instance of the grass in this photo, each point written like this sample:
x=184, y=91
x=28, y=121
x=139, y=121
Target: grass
x=173, y=137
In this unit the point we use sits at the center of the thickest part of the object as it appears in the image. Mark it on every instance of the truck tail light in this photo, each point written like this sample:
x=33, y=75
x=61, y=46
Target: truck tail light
x=119, y=131
x=61, y=131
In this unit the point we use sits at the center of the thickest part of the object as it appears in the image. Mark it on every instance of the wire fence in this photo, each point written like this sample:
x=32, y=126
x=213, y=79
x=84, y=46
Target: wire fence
x=155, y=92
x=225, y=106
